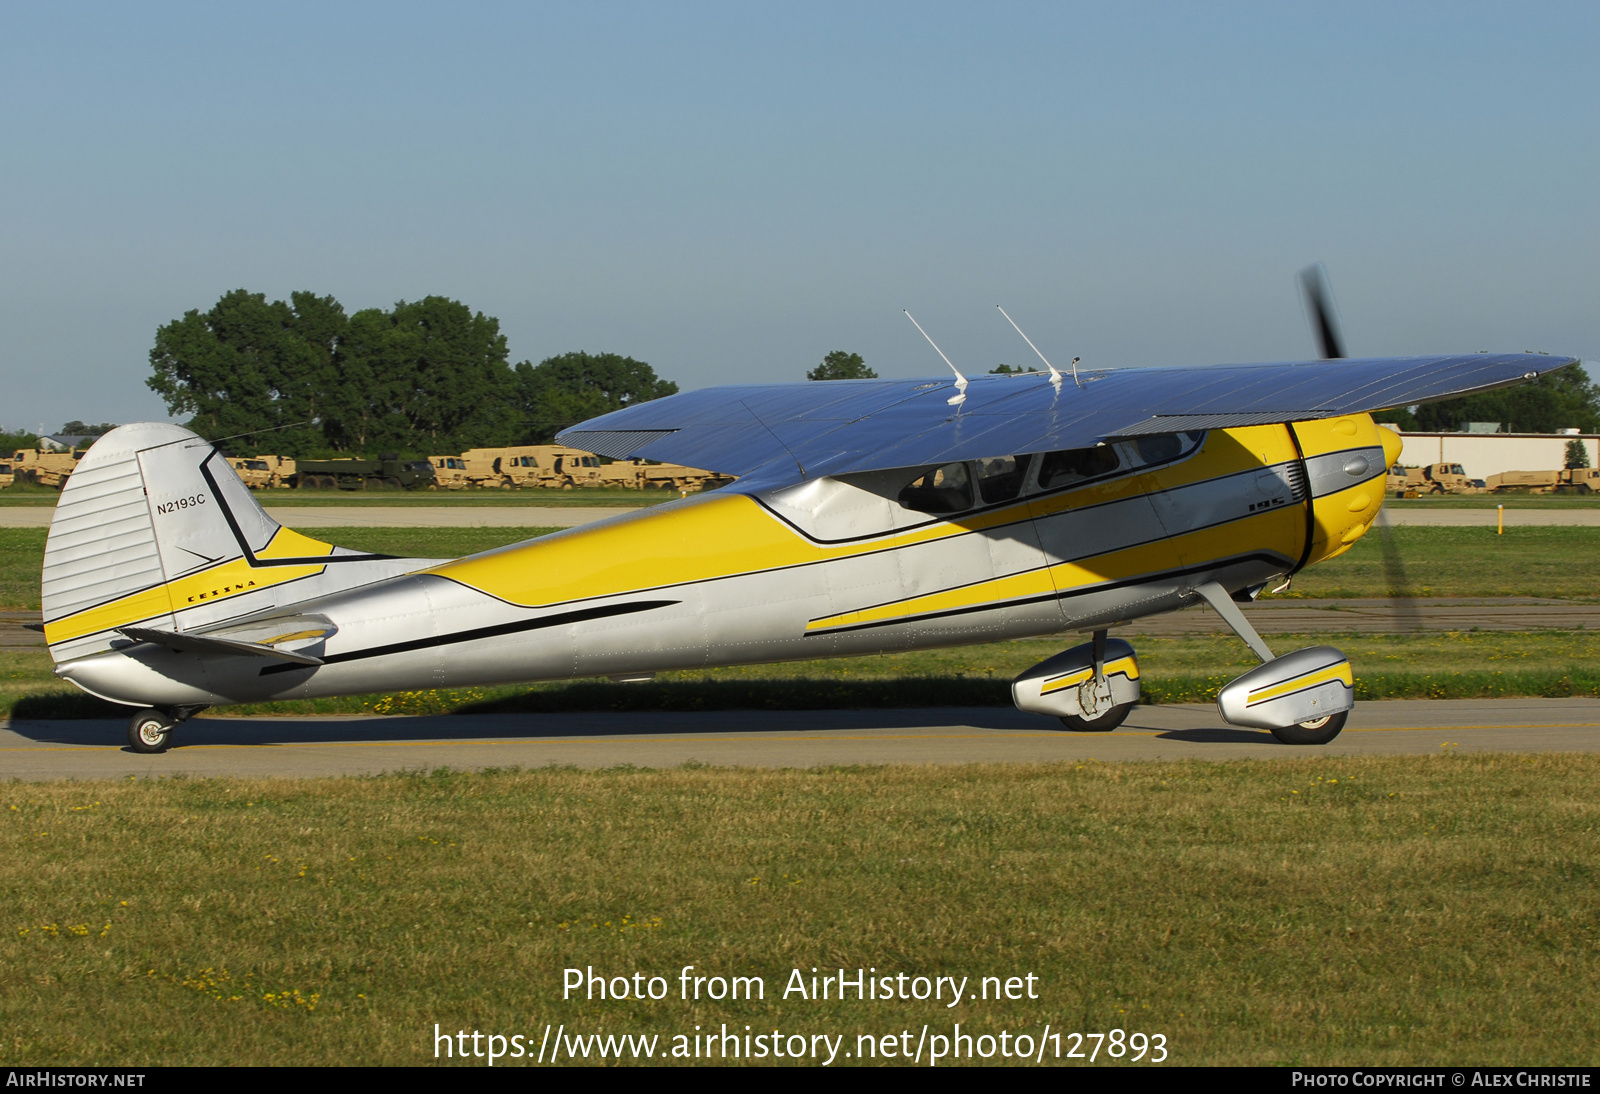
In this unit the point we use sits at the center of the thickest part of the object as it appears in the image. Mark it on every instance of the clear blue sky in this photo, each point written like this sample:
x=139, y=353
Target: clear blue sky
x=729, y=191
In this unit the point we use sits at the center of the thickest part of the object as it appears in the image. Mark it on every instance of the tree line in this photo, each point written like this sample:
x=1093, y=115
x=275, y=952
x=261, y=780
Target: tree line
x=1564, y=399
x=432, y=376
x=423, y=377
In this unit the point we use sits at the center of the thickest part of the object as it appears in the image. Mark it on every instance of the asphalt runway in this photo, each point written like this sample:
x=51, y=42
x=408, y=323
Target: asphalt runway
x=310, y=747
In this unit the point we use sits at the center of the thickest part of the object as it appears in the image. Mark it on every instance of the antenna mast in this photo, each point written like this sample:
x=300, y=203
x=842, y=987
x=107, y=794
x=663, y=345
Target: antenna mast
x=1055, y=376
x=961, y=381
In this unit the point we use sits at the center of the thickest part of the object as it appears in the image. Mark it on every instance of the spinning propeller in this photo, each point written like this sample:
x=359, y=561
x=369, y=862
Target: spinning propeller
x=1320, y=309
x=1323, y=315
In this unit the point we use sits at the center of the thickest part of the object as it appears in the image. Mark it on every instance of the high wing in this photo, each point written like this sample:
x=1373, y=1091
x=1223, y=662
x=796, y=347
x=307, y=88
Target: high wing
x=834, y=427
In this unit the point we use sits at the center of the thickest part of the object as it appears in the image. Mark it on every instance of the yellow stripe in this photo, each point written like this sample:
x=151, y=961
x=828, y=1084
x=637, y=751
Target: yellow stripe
x=130, y=609
x=1283, y=526
x=1282, y=529
x=1228, y=452
x=1225, y=452
x=998, y=592
x=1340, y=672
x=218, y=583
x=733, y=535
x=287, y=543
x=1125, y=666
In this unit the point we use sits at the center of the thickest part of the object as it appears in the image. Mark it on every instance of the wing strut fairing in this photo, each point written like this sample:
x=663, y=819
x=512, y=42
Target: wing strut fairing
x=840, y=426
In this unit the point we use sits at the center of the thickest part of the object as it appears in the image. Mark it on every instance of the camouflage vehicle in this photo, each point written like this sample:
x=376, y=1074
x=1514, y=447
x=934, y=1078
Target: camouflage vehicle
x=6, y=477
x=255, y=473
x=1397, y=482
x=280, y=468
x=1530, y=482
x=44, y=468
x=548, y=465
x=1572, y=480
x=387, y=472
x=1579, y=480
x=450, y=472
x=642, y=474
x=1434, y=478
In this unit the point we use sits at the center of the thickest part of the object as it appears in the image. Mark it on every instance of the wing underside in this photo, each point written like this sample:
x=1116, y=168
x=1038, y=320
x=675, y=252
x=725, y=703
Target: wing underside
x=810, y=429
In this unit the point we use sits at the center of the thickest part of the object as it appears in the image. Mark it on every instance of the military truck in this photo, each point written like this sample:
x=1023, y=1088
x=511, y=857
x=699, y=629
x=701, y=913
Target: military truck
x=281, y=469
x=6, y=477
x=387, y=472
x=255, y=473
x=43, y=467
x=1579, y=480
x=643, y=475
x=1398, y=482
x=1573, y=480
x=1433, y=478
x=547, y=465
x=450, y=472
x=1523, y=482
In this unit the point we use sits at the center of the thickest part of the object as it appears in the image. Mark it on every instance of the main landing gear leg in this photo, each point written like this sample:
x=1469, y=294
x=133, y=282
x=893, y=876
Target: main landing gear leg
x=1094, y=695
x=1218, y=598
x=1315, y=731
x=150, y=730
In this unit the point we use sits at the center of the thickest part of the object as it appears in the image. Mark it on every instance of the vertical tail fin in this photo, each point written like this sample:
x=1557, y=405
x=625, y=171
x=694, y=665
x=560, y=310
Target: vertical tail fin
x=155, y=529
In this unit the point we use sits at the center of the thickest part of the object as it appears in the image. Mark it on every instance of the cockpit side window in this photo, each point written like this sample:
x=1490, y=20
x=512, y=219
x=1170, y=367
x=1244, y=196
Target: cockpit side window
x=946, y=489
x=1157, y=449
x=1072, y=465
x=1000, y=478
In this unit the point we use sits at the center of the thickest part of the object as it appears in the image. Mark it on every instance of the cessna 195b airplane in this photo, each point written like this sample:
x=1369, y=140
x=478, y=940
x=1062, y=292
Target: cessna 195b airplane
x=867, y=516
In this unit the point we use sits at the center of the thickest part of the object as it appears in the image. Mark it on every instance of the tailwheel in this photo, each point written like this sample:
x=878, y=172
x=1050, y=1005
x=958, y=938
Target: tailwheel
x=150, y=731
x=1318, y=731
x=1105, y=723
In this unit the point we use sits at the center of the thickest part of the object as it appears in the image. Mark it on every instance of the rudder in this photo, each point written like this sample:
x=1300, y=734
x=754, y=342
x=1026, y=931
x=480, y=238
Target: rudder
x=155, y=529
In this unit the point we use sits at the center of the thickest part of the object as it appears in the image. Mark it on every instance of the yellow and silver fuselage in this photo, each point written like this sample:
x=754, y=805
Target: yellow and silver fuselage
x=746, y=575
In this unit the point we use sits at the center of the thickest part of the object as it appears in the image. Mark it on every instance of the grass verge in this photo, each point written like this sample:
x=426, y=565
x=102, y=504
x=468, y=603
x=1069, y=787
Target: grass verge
x=1333, y=910
x=1550, y=561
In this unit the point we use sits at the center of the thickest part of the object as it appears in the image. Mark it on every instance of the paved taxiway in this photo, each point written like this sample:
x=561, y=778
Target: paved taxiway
x=276, y=747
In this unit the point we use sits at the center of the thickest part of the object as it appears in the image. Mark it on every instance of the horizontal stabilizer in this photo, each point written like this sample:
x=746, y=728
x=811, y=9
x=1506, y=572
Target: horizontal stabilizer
x=205, y=643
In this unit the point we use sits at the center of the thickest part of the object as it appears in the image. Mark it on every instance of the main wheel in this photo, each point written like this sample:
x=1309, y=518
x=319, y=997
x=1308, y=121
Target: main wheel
x=1318, y=731
x=1108, y=721
x=150, y=731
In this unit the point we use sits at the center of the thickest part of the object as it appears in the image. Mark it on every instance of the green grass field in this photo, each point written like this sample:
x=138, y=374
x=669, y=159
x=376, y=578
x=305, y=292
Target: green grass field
x=1551, y=561
x=1384, y=910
